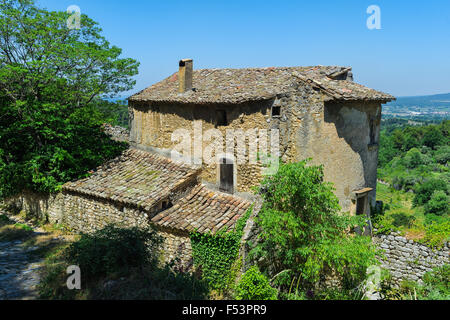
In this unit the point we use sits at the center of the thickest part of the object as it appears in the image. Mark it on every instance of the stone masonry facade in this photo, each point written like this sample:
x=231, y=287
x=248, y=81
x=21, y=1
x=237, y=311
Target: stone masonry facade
x=319, y=112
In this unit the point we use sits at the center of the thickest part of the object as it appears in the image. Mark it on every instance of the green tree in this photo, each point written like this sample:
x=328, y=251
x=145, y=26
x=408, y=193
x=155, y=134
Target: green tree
x=438, y=204
x=398, y=139
x=387, y=149
x=424, y=191
x=413, y=158
x=50, y=75
x=433, y=137
x=442, y=154
x=303, y=234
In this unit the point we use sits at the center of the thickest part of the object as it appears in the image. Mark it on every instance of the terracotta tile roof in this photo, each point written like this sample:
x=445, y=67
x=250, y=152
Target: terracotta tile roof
x=203, y=210
x=252, y=84
x=343, y=89
x=136, y=178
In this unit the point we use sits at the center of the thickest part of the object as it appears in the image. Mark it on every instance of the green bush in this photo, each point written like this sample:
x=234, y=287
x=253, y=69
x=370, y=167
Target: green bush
x=303, y=234
x=4, y=220
x=425, y=191
x=402, y=219
x=436, y=234
x=118, y=264
x=442, y=155
x=114, y=250
x=432, y=218
x=413, y=158
x=436, y=284
x=255, y=286
x=438, y=204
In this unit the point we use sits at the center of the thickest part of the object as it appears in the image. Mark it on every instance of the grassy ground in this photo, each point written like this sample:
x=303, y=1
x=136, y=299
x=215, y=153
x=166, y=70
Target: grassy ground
x=401, y=215
x=399, y=201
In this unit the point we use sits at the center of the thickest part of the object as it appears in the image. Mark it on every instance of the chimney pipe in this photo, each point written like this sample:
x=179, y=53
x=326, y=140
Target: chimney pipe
x=185, y=75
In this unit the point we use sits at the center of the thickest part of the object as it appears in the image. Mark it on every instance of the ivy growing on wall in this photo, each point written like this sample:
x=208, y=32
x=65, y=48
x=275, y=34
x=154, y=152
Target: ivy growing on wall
x=216, y=254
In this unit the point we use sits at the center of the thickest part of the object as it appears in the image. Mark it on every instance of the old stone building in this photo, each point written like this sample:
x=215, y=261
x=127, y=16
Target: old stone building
x=294, y=113
x=240, y=118
x=140, y=189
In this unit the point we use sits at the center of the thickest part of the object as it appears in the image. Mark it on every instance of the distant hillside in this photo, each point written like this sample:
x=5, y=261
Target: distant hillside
x=433, y=100
x=433, y=107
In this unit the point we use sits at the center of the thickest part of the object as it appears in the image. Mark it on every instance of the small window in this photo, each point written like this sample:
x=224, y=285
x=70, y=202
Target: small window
x=276, y=112
x=166, y=205
x=221, y=118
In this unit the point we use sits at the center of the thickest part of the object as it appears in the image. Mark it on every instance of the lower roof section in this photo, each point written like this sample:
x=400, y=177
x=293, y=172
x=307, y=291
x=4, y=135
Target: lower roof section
x=203, y=210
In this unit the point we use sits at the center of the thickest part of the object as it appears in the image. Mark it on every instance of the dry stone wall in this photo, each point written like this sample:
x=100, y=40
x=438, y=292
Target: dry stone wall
x=85, y=214
x=407, y=259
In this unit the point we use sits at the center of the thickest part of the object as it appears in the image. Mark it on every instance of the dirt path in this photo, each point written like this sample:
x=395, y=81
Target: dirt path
x=21, y=261
x=19, y=274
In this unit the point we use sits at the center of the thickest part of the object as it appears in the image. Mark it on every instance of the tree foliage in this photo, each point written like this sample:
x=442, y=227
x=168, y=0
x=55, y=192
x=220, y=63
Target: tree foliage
x=255, y=286
x=438, y=204
x=424, y=191
x=50, y=76
x=303, y=234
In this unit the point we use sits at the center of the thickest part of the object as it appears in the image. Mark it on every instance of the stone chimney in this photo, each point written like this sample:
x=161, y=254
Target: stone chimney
x=185, y=75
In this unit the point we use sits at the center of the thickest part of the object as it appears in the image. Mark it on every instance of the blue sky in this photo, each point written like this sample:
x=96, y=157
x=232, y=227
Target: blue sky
x=410, y=55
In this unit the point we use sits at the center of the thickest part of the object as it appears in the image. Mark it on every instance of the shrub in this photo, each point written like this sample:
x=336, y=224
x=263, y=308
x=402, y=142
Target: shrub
x=4, y=220
x=402, y=219
x=436, y=284
x=114, y=250
x=436, y=234
x=432, y=218
x=255, y=286
x=303, y=233
x=118, y=263
x=438, y=204
x=413, y=158
x=426, y=190
x=442, y=155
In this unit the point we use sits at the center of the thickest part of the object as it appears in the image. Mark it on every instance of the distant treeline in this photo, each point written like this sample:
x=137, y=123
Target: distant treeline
x=398, y=136
x=114, y=112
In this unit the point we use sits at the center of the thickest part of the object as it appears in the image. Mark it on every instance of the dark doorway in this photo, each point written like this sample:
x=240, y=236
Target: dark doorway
x=361, y=205
x=226, y=175
x=221, y=118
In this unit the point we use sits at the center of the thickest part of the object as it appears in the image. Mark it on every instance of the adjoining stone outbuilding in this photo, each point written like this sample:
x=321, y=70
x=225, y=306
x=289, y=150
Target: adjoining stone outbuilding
x=317, y=112
x=140, y=189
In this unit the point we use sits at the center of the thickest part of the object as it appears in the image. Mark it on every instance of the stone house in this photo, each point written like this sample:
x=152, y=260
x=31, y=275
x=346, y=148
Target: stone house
x=316, y=112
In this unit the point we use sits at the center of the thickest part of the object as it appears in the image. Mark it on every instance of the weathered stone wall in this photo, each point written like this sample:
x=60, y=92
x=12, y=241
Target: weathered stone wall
x=335, y=134
x=34, y=204
x=177, y=248
x=116, y=132
x=407, y=259
x=86, y=214
x=152, y=126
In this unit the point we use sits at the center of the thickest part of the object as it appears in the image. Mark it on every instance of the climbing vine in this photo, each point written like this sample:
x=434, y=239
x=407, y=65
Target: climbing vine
x=217, y=254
